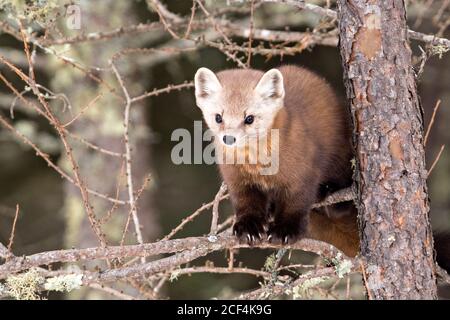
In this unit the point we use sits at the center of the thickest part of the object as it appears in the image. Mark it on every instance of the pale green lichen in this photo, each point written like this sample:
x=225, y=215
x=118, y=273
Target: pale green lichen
x=301, y=291
x=270, y=262
x=24, y=286
x=174, y=275
x=353, y=163
x=342, y=266
x=439, y=50
x=264, y=295
x=65, y=283
x=37, y=11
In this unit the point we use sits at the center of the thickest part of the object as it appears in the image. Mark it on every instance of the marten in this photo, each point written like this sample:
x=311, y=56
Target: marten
x=314, y=154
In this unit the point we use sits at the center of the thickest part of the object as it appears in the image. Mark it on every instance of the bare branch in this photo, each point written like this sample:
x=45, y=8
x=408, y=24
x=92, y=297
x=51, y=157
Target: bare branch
x=169, y=88
x=436, y=160
x=430, y=125
x=431, y=39
x=215, y=210
x=347, y=194
x=13, y=229
x=129, y=175
x=194, y=246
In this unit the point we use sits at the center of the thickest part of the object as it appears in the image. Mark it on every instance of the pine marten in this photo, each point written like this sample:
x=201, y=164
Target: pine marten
x=314, y=148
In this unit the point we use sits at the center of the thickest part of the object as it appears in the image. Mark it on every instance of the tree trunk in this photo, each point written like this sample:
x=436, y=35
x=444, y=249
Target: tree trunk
x=396, y=238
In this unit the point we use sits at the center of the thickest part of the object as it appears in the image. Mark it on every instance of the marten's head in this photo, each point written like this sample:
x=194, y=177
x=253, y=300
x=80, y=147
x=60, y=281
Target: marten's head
x=239, y=104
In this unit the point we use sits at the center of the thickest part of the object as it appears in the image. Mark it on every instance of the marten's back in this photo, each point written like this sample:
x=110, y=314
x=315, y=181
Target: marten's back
x=317, y=140
x=315, y=129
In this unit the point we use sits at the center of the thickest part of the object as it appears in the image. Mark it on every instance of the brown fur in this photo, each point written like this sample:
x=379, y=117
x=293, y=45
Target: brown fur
x=340, y=230
x=315, y=150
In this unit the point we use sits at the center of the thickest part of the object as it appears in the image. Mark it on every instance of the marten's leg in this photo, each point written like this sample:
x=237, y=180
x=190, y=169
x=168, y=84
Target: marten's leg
x=250, y=205
x=290, y=221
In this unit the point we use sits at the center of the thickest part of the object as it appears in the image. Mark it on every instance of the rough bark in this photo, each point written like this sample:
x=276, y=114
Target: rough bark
x=396, y=238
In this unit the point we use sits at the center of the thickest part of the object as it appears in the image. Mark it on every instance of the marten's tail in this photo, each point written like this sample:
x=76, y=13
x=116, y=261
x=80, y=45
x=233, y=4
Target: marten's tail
x=442, y=247
x=341, y=230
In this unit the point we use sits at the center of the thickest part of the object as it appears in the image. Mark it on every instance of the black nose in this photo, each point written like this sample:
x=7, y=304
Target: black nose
x=229, y=140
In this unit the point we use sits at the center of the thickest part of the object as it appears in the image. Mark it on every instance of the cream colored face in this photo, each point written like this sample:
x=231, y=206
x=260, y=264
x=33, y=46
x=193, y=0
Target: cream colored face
x=237, y=114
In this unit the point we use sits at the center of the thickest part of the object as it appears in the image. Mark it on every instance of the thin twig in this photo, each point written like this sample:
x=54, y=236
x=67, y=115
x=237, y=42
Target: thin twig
x=223, y=270
x=347, y=194
x=363, y=270
x=169, y=88
x=215, y=209
x=347, y=294
x=114, y=206
x=13, y=229
x=436, y=160
x=191, y=19
x=430, y=125
x=228, y=222
x=230, y=259
x=138, y=195
x=164, y=15
x=83, y=110
x=191, y=217
x=250, y=36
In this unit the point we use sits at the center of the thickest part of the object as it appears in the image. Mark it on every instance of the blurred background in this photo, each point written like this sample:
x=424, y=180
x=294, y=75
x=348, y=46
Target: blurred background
x=51, y=214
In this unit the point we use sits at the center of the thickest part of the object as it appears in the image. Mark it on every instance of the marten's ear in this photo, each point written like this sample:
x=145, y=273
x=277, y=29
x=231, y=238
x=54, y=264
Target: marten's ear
x=271, y=85
x=206, y=85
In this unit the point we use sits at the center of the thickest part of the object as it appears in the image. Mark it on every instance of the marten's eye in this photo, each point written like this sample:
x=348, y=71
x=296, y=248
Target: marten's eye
x=218, y=118
x=249, y=119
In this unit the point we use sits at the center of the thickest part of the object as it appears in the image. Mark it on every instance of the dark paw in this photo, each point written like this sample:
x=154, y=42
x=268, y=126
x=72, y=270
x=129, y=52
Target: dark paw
x=285, y=231
x=249, y=229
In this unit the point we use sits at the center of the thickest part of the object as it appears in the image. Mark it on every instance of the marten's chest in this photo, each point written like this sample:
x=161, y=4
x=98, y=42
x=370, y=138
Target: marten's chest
x=254, y=165
x=250, y=174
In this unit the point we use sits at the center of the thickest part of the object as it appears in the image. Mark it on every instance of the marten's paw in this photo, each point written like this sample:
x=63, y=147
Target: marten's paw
x=249, y=228
x=285, y=231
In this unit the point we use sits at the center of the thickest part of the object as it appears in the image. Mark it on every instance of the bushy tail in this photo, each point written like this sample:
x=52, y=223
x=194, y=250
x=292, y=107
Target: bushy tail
x=442, y=247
